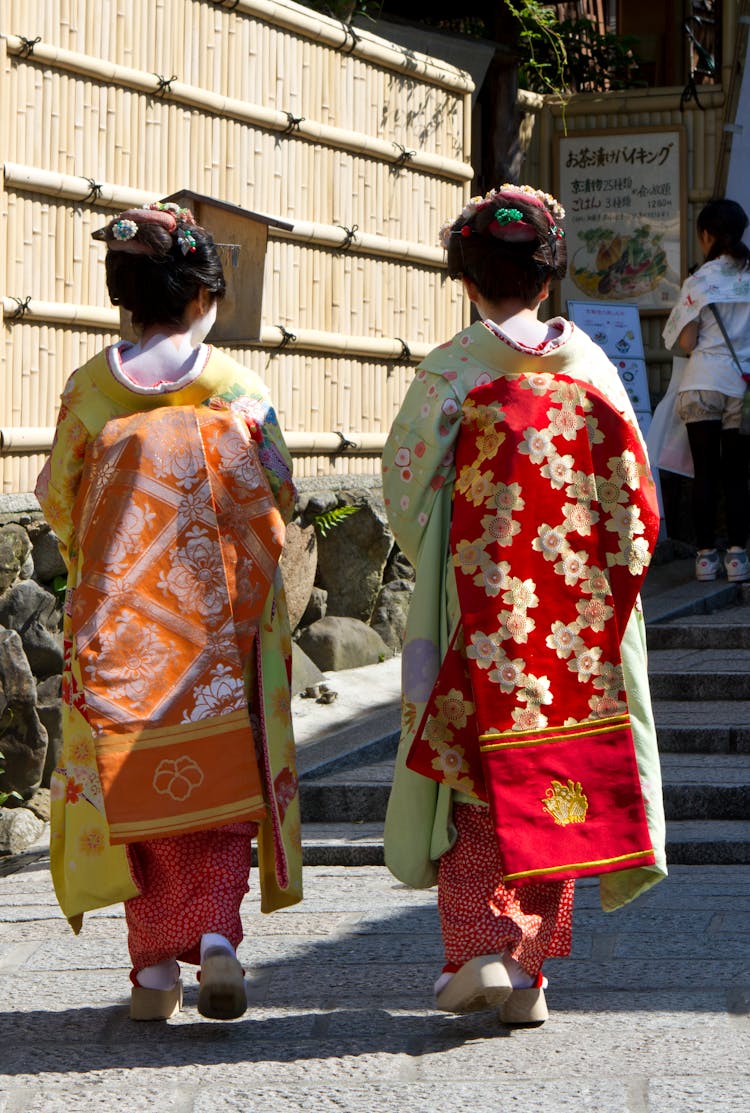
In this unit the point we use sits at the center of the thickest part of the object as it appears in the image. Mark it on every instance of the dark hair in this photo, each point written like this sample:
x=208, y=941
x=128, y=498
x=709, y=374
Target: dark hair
x=157, y=287
x=504, y=267
x=726, y=221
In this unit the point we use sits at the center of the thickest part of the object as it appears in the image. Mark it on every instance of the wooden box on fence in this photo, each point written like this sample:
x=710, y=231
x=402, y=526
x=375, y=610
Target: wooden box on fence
x=241, y=236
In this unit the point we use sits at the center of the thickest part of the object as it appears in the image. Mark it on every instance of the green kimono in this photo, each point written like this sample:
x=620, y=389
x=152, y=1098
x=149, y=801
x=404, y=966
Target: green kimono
x=418, y=478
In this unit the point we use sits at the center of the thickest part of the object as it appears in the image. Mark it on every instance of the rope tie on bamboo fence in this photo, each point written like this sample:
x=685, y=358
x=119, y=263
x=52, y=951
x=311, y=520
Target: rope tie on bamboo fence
x=349, y=32
x=404, y=155
x=344, y=443
x=287, y=337
x=27, y=46
x=294, y=123
x=349, y=234
x=95, y=190
x=22, y=307
x=405, y=355
x=228, y=5
x=163, y=84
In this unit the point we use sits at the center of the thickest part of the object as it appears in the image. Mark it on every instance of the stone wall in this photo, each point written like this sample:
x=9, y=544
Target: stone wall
x=348, y=589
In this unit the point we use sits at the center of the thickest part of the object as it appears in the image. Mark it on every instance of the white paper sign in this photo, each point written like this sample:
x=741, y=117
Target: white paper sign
x=622, y=192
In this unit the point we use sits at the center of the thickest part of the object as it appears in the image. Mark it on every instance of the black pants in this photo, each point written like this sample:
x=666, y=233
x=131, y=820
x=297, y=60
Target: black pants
x=721, y=458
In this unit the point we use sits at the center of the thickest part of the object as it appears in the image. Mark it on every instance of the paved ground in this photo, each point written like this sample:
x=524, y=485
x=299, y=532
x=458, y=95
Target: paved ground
x=649, y=1015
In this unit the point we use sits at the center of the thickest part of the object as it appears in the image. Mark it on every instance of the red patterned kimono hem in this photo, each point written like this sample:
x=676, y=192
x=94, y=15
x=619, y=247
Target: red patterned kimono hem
x=480, y=915
x=190, y=885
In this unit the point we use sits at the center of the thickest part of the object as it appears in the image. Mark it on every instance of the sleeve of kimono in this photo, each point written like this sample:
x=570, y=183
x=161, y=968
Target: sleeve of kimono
x=277, y=464
x=60, y=477
x=687, y=309
x=418, y=457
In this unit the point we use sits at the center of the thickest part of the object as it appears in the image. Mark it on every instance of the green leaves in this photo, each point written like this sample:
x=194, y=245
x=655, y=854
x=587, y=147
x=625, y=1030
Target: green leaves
x=324, y=523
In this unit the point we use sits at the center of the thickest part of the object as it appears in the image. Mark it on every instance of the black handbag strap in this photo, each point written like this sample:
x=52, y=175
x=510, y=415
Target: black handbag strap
x=715, y=310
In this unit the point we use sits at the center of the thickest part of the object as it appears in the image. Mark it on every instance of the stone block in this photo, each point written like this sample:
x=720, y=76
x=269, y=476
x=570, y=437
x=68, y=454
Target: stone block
x=352, y=557
x=49, y=708
x=299, y=561
x=19, y=828
x=48, y=560
x=337, y=642
x=23, y=739
x=36, y=615
x=15, y=555
x=391, y=611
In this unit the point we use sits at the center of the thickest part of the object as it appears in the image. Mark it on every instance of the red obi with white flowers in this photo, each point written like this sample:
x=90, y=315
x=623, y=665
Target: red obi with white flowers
x=554, y=519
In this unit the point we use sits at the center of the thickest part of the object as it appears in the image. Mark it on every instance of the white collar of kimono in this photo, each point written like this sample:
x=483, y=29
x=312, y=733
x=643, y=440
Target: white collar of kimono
x=565, y=332
x=166, y=376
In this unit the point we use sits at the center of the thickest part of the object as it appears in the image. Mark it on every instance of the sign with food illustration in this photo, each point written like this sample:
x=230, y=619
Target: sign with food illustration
x=623, y=196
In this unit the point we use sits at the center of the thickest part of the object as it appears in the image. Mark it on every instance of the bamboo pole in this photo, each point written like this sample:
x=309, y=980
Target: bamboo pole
x=74, y=187
x=273, y=120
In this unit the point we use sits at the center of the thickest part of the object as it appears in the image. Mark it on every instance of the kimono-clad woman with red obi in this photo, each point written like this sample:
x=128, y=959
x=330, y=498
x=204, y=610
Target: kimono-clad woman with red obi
x=517, y=483
x=169, y=486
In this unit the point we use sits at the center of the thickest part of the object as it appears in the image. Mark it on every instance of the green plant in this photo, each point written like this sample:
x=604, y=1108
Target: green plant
x=324, y=523
x=59, y=587
x=571, y=55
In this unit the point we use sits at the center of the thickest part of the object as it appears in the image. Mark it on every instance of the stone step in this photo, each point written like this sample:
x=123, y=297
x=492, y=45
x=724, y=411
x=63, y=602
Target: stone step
x=703, y=726
x=689, y=843
x=699, y=674
x=724, y=629
x=696, y=786
x=706, y=786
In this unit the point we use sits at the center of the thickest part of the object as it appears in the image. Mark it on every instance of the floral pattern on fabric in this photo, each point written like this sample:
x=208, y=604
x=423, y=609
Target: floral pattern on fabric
x=527, y=657
x=92, y=396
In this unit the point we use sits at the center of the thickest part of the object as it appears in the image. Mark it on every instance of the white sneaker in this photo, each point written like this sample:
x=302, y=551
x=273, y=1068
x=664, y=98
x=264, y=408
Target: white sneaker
x=707, y=565
x=737, y=566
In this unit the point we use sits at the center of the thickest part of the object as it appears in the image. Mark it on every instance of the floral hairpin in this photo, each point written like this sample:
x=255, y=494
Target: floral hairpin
x=124, y=230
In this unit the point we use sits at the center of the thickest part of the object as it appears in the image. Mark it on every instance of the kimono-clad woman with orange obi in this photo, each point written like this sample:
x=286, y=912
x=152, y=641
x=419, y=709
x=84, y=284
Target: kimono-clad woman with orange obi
x=517, y=483
x=169, y=486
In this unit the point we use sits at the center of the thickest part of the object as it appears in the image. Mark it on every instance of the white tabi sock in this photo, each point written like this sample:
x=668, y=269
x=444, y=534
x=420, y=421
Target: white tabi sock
x=212, y=939
x=519, y=979
x=162, y=976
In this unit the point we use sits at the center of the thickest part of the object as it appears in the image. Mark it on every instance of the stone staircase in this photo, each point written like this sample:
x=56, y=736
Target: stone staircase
x=699, y=666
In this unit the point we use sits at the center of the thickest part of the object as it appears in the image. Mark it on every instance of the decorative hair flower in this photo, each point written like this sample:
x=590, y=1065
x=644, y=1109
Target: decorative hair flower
x=538, y=196
x=124, y=229
x=185, y=216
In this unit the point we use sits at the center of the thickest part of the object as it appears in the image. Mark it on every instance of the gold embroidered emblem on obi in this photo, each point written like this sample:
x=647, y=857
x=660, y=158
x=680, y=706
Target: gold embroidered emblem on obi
x=566, y=803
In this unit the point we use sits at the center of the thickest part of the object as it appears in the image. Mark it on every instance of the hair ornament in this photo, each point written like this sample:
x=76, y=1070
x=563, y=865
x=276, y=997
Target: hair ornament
x=536, y=197
x=186, y=241
x=507, y=216
x=184, y=216
x=508, y=222
x=124, y=230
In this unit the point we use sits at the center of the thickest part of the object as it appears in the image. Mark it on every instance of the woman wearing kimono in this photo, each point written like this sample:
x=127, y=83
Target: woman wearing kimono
x=516, y=482
x=169, y=486
x=712, y=388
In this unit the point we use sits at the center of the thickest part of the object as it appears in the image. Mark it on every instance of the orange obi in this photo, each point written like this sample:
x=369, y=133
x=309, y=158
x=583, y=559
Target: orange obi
x=554, y=518
x=180, y=538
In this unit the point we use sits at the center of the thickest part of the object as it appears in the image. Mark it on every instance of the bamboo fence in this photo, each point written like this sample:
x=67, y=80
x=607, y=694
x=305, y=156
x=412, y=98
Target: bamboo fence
x=361, y=145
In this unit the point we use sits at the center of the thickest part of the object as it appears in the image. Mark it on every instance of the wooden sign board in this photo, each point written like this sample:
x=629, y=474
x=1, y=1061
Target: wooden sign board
x=241, y=236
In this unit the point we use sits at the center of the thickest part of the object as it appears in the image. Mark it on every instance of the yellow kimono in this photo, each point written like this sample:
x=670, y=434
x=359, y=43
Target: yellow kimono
x=88, y=871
